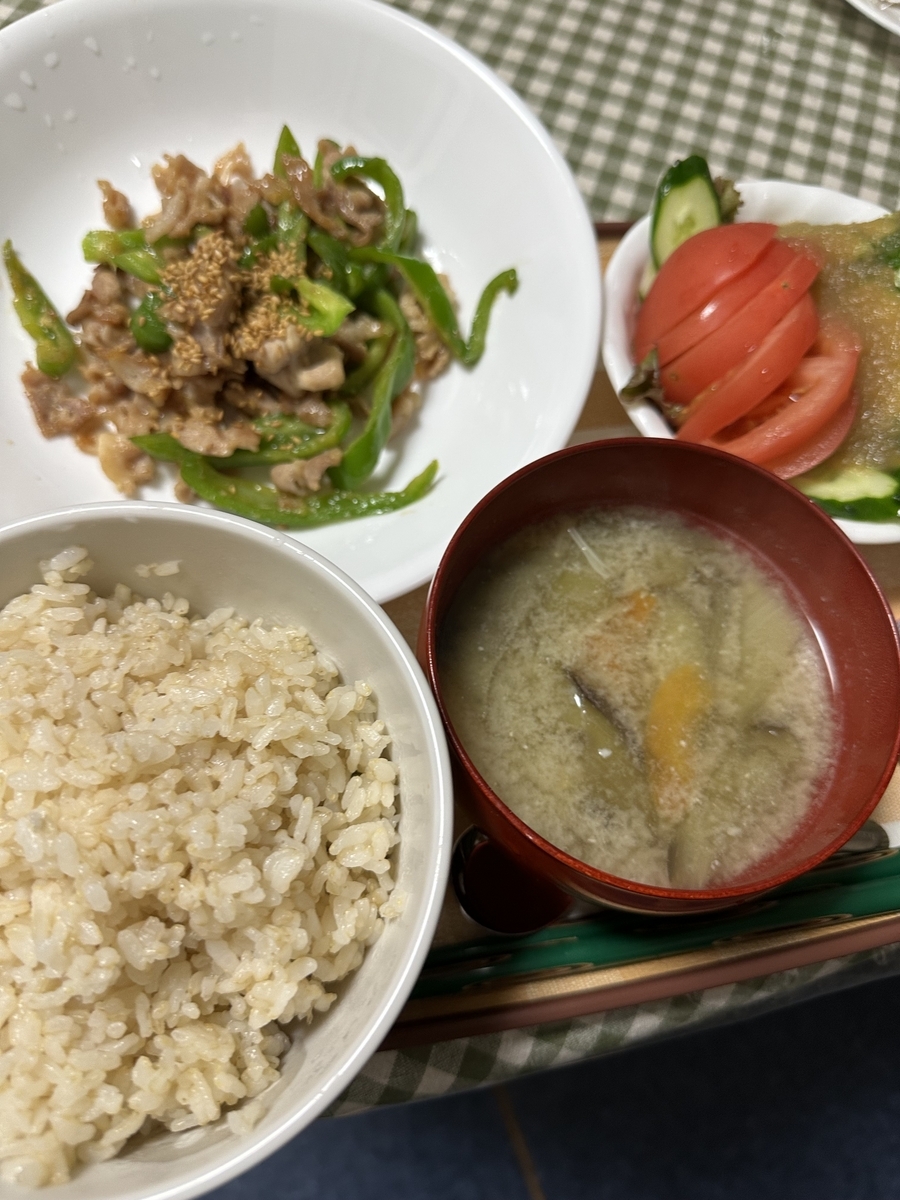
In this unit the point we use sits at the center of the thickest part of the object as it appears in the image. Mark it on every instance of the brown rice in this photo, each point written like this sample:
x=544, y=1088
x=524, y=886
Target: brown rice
x=195, y=837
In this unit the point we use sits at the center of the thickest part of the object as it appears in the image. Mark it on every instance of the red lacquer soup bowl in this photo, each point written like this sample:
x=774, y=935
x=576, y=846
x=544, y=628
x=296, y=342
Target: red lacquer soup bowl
x=795, y=543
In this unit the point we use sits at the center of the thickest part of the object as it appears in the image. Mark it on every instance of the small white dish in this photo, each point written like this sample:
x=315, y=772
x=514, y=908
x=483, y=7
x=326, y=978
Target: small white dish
x=225, y=561
x=773, y=200
x=102, y=88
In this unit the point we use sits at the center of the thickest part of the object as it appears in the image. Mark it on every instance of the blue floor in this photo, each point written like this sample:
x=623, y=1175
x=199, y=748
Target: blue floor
x=802, y=1104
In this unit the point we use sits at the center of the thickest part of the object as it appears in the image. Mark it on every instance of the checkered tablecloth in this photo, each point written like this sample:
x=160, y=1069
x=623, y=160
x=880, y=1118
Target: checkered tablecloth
x=792, y=89
x=782, y=89
x=395, y=1076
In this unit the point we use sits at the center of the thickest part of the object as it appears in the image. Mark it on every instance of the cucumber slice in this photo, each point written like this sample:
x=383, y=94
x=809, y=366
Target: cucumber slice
x=646, y=281
x=856, y=493
x=853, y=483
x=686, y=202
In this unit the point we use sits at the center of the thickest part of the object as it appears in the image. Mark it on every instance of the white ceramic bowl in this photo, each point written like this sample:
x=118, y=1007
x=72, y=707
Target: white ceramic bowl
x=101, y=88
x=774, y=201
x=261, y=573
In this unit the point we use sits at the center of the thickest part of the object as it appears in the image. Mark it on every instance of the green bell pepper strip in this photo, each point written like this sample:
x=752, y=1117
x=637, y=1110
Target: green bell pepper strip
x=292, y=226
x=287, y=144
x=329, y=308
x=260, y=503
x=256, y=222
x=367, y=370
x=148, y=327
x=395, y=373
x=286, y=438
x=125, y=249
x=410, y=235
x=115, y=241
x=349, y=278
x=54, y=346
x=143, y=264
x=377, y=170
x=506, y=281
x=319, y=164
x=429, y=291
x=179, y=243
x=256, y=250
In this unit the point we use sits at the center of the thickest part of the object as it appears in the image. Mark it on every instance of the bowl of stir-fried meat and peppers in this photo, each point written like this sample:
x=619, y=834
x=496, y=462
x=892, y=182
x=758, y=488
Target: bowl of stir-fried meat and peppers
x=116, y=88
x=244, y=325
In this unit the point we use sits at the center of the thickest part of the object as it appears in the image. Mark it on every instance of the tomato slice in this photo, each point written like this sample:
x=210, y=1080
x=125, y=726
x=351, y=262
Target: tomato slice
x=757, y=376
x=822, y=446
x=725, y=303
x=796, y=413
x=802, y=405
x=710, y=359
x=693, y=273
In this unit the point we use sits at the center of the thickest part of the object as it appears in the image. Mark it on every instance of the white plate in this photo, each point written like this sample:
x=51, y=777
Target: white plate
x=101, y=88
x=887, y=15
x=774, y=201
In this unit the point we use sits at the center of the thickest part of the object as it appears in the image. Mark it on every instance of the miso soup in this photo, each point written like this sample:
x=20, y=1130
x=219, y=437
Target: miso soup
x=641, y=693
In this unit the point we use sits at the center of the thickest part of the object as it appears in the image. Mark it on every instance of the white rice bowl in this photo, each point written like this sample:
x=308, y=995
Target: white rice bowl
x=199, y=837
